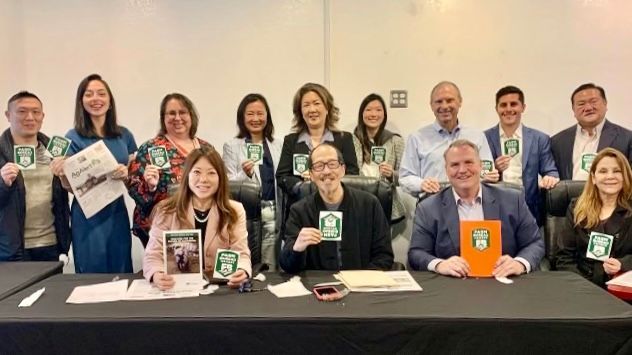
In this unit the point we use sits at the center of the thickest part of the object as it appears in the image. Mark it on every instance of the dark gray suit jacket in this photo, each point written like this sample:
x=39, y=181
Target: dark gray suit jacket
x=436, y=230
x=612, y=135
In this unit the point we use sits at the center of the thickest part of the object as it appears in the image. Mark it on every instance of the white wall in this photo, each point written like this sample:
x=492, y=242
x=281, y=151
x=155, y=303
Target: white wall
x=217, y=51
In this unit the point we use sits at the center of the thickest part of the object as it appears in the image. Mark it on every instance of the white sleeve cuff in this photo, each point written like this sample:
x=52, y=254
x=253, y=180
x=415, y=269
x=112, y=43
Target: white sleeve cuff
x=524, y=262
x=433, y=264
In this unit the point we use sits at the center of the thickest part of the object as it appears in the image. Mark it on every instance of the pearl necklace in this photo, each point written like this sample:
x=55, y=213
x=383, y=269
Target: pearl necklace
x=202, y=220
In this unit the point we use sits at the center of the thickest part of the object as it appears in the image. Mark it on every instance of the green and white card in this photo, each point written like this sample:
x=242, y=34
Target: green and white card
x=378, y=155
x=158, y=157
x=330, y=225
x=599, y=246
x=226, y=262
x=58, y=146
x=299, y=163
x=587, y=160
x=486, y=166
x=254, y=152
x=512, y=147
x=24, y=156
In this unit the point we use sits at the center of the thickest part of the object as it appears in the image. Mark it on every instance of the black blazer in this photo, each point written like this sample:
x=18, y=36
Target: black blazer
x=285, y=172
x=612, y=135
x=572, y=244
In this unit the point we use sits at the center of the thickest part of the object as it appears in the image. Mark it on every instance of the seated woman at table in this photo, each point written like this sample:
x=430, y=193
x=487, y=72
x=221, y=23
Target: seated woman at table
x=371, y=132
x=603, y=207
x=201, y=202
x=150, y=184
x=254, y=121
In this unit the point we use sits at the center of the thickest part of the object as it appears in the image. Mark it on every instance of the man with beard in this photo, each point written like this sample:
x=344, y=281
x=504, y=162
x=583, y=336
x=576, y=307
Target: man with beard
x=364, y=241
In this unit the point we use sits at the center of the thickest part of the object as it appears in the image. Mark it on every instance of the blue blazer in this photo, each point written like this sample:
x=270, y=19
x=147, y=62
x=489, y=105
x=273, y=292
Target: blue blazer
x=612, y=135
x=436, y=230
x=537, y=159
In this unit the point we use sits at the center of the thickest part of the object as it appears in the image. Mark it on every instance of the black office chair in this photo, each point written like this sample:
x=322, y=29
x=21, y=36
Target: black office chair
x=249, y=194
x=379, y=188
x=556, y=204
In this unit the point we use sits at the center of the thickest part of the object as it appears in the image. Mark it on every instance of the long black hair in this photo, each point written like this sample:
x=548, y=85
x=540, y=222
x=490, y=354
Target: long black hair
x=360, y=130
x=83, y=122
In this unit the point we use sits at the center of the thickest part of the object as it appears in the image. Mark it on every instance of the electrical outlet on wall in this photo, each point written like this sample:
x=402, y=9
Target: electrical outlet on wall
x=399, y=99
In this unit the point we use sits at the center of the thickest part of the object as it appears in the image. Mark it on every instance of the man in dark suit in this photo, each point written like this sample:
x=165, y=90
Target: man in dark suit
x=521, y=154
x=575, y=147
x=435, y=242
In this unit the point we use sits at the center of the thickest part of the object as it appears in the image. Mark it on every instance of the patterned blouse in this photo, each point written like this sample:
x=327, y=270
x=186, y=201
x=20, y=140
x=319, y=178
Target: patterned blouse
x=168, y=182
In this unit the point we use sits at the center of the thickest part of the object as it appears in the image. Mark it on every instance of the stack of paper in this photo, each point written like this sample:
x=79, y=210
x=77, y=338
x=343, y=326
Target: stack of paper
x=291, y=288
x=378, y=281
x=624, y=279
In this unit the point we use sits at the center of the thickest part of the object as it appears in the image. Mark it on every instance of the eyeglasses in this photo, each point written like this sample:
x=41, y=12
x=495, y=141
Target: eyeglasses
x=172, y=114
x=320, y=166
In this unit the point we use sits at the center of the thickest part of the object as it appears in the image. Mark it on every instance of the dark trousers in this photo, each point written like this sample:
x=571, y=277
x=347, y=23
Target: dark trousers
x=50, y=253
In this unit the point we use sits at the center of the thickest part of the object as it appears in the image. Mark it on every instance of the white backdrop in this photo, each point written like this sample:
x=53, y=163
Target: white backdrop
x=216, y=52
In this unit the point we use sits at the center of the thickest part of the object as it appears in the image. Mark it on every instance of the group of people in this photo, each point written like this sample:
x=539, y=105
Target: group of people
x=193, y=192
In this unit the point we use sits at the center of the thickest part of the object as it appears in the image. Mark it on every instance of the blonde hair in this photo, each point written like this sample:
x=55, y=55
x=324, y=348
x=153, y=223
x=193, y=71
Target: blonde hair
x=589, y=203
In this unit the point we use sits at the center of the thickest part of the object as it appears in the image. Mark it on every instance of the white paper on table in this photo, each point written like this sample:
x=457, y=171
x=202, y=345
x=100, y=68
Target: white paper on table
x=290, y=288
x=624, y=279
x=404, y=281
x=28, y=301
x=103, y=292
x=142, y=290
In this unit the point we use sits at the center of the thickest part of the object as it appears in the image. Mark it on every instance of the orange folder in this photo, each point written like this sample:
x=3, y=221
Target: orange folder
x=481, y=246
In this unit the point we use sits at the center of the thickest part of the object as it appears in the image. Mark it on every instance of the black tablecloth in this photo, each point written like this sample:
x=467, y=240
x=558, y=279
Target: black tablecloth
x=17, y=275
x=539, y=313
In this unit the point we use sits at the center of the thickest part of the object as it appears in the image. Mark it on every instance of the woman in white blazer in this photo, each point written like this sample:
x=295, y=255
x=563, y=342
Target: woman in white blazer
x=255, y=126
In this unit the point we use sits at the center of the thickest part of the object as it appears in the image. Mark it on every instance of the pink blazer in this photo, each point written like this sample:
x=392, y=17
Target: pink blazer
x=235, y=239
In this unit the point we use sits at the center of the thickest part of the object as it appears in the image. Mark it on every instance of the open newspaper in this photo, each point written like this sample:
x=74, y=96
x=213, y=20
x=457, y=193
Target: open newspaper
x=89, y=174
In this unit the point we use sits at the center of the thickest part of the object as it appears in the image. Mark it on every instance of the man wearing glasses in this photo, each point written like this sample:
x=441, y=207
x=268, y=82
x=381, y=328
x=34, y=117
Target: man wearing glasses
x=33, y=205
x=364, y=241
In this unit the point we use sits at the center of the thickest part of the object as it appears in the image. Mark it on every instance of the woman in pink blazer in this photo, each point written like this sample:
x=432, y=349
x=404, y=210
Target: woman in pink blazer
x=201, y=202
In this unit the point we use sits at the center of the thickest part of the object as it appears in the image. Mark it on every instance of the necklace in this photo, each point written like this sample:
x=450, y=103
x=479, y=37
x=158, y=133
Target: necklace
x=204, y=218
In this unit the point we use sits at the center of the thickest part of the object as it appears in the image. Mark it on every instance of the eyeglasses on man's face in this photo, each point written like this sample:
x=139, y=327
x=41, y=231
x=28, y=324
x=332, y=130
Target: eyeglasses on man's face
x=320, y=165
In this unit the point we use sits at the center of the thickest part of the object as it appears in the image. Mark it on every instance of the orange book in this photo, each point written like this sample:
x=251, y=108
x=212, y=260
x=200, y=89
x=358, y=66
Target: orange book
x=481, y=246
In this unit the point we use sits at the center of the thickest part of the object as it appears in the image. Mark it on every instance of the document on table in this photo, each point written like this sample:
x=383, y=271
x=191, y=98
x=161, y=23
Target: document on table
x=142, y=290
x=624, y=279
x=398, y=281
x=291, y=288
x=103, y=292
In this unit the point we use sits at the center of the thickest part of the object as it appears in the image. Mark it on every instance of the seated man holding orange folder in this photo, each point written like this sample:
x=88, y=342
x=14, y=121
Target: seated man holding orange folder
x=435, y=242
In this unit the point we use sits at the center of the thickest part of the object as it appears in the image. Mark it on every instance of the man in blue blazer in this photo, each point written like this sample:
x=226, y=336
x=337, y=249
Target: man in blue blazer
x=575, y=147
x=531, y=149
x=435, y=242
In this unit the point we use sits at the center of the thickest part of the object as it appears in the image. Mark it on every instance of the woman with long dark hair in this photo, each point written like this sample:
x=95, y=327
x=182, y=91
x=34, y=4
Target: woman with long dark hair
x=201, y=202
x=370, y=132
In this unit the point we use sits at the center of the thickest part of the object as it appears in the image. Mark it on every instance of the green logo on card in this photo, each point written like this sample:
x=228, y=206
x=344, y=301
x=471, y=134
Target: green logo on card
x=378, y=155
x=58, y=146
x=300, y=163
x=225, y=263
x=587, y=160
x=330, y=223
x=512, y=147
x=487, y=166
x=24, y=156
x=599, y=246
x=481, y=239
x=254, y=152
x=158, y=157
